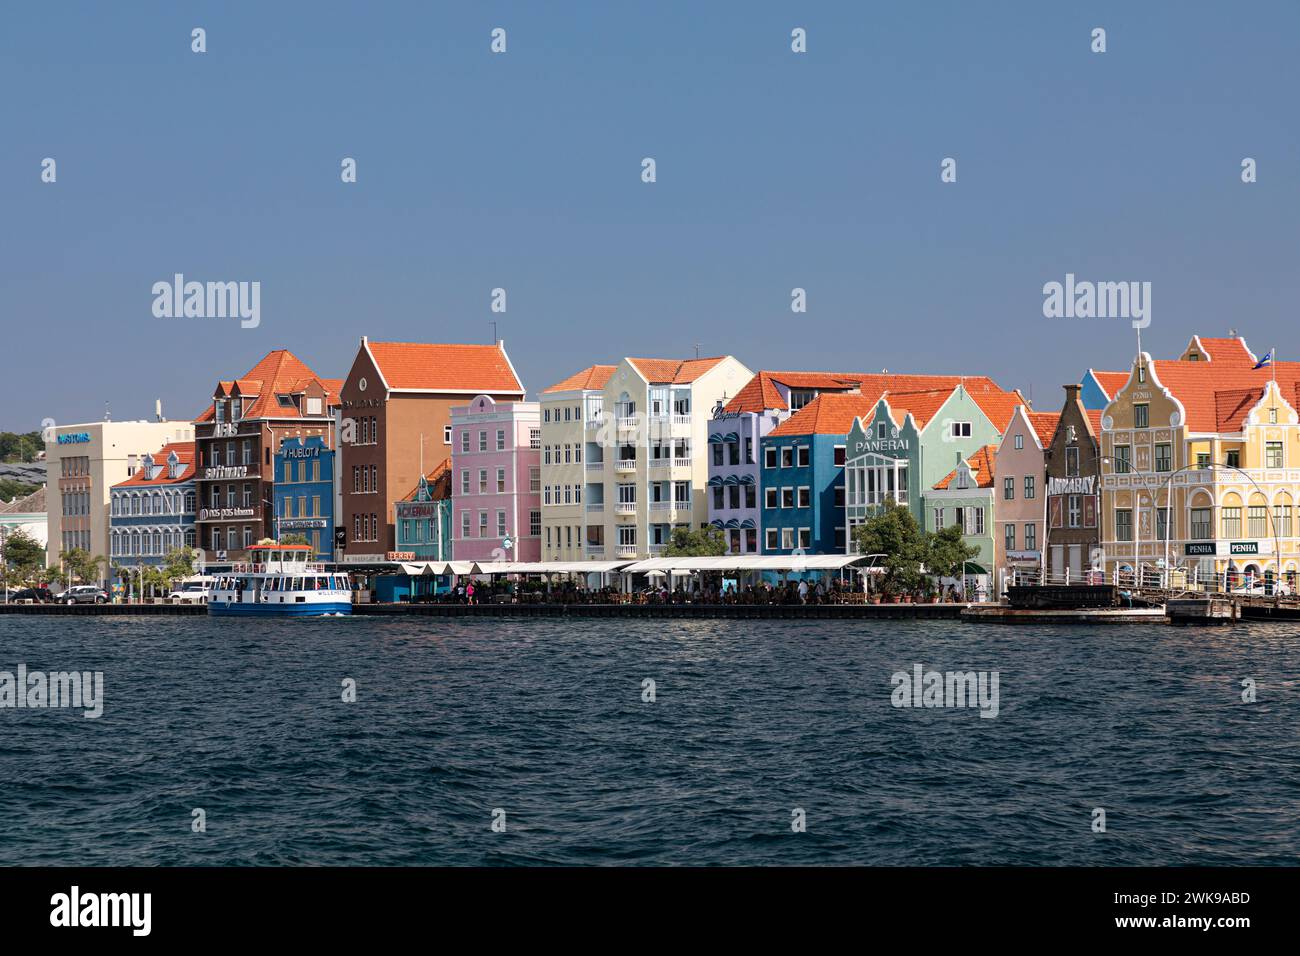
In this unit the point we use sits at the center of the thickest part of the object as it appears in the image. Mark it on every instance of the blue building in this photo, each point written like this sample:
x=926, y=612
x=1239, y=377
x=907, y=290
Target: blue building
x=1098, y=388
x=152, y=512
x=802, y=479
x=304, y=493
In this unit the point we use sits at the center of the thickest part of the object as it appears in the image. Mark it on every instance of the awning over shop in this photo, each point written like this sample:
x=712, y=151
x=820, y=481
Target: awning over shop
x=748, y=562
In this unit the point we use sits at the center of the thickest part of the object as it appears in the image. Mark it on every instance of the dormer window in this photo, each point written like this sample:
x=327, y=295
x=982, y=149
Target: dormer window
x=286, y=401
x=963, y=478
x=220, y=411
x=801, y=397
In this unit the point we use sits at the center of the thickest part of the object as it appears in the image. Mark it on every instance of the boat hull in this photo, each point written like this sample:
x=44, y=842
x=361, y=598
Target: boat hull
x=241, y=609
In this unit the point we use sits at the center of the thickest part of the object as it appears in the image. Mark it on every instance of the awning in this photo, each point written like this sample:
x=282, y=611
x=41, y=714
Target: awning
x=748, y=523
x=717, y=523
x=751, y=562
x=731, y=524
x=716, y=439
x=731, y=480
x=746, y=479
x=538, y=567
x=715, y=481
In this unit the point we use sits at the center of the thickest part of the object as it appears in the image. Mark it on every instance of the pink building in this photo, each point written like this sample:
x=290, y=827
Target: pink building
x=496, y=481
x=1020, y=495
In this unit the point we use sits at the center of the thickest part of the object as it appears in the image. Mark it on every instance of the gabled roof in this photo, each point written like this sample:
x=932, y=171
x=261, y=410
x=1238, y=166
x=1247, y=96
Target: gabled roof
x=998, y=405
x=921, y=405
x=432, y=367
x=1110, y=382
x=184, y=452
x=280, y=372
x=761, y=392
x=1224, y=351
x=440, y=476
x=1217, y=398
x=674, y=371
x=981, y=465
x=830, y=413
x=590, y=378
x=1094, y=419
x=33, y=503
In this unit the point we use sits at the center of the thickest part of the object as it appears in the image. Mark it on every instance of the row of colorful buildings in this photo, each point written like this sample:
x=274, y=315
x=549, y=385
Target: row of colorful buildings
x=432, y=452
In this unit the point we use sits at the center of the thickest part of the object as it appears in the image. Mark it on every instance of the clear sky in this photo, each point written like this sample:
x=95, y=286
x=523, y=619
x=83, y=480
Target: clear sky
x=523, y=171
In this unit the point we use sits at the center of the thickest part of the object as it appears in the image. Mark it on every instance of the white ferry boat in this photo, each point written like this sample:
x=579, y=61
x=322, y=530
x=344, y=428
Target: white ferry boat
x=280, y=581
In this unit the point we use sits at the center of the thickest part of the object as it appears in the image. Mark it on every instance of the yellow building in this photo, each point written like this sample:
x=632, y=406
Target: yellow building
x=1201, y=467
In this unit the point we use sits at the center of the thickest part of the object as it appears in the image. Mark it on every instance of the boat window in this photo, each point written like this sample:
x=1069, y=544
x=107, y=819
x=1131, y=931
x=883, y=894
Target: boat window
x=322, y=584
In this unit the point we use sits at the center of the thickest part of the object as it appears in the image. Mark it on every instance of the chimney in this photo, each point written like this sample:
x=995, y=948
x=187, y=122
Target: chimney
x=157, y=410
x=1072, y=392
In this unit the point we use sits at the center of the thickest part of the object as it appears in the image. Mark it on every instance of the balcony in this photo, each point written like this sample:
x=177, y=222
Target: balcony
x=594, y=507
x=595, y=466
x=681, y=419
x=682, y=462
x=595, y=550
x=627, y=551
x=661, y=506
x=629, y=423
x=660, y=462
x=625, y=508
x=625, y=466
x=657, y=548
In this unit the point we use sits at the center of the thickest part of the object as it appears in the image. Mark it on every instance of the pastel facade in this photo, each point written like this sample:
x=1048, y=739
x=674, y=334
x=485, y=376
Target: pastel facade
x=965, y=498
x=496, y=481
x=396, y=425
x=152, y=513
x=28, y=514
x=424, y=517
x=643, y=435
x=1201, y=465
x=304, y=493
x=83, y=463
x=1021, y=501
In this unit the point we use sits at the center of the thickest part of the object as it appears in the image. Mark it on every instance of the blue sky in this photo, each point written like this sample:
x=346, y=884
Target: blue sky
x=522, y=171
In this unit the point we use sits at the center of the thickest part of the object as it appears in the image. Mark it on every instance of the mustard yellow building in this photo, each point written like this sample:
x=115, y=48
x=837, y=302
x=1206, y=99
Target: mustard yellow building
x=1200, y=467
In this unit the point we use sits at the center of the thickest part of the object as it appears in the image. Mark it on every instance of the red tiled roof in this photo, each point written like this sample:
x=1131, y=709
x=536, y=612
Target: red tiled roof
x=981, y=463
x=831, y=413
x=921, y=405
x=674, y=371
x=453, y=367
x=1094, y=418
x=440, y=475
x=1110, y=382
x=761, y=392
x=184, y=453
x=280, y=372
x=591, y=377
x=1217, y=397
x=1224, y=351
x=1044, y=425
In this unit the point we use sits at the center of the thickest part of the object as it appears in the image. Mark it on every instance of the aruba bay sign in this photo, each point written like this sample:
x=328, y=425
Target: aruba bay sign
x=1078, y=485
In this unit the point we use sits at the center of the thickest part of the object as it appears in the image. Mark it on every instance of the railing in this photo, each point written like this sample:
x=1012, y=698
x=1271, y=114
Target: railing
x=625, y=465
x=627, y=551
x=681, y=462
x=625, y=508
x=661, y=506
x=681, y=419
x=657, y=548
x=596, y=549
x=629, y=422
x=660, y=462
x=595, y=466
x=595, y=506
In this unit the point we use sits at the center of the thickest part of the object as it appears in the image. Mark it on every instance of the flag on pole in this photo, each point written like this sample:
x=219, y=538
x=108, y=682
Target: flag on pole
x=1266, y=360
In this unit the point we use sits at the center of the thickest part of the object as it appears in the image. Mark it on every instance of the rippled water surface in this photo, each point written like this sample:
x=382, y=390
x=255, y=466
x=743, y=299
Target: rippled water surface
x=546, y=721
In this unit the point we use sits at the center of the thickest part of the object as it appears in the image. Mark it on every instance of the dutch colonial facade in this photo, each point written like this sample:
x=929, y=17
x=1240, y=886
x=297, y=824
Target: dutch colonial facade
x=965, y=498
x=1073, y=462
x=236, y=440
x=1201, y=466
x=735, y=433
x=644, y=435
x=424, y=517
x=496, y=481
x=1020, y=477
x=153, y=511
x=396, y=425
x=304, y=493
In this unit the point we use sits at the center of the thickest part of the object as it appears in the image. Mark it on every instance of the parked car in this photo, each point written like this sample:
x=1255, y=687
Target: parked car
x=190, y=593
x=39, y=595
x=84, y=594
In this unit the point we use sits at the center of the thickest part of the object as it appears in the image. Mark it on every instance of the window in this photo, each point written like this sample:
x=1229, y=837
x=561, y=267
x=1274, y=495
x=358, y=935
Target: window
x=1202, y=459
x=1202, y=524
x=938, y=519
x=1031, y=537
x=839, y=496
x=805, y=538
x=961, y=429
x=1273, y=454
x=1257, y=521
x=787, y=497
x=804, y=497
x=839, y=456
x=787, y=538
x=751, y=497
x=1020, y=443
x=464, y=524
x=1142, y=415
x=535, y=524
x=769, y=457
x=1072, y=462
x=1234, y=459
x=464, y=442
x=787, y=456
x=769, y=498
x=1074, y=511
x=482, y=440
x=1124, y=524
x=482, y=481
x=501, y=439
x=1008, y=489
x=1282, y=520
x=1009, y=537
x=1162, y=524
x=534, y=479
x=1122, y=461
x=803, y=456
x=1029, y=486
x=717, y=497
x=501, y=524
x=482, y=524
x=501, y=481
x=464, y=481
x=1231, y=522
x=446, y=434
x=534, y=438
x=717, y=454
x=1164, y=457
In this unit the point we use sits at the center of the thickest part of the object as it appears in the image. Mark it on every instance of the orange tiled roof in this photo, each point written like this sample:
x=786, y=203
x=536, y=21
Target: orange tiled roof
x=1110, y=382
x=454, y=367
x=998, y=405
x=674, y=371
x=184, y=452
x=831, y=413
x=1225, y=351
x=591, y=377
x=439, y=475
x=921, y=405
x=1044, y=425
x=761, y=392
x=981, y=463
x=1094, y=419
x=1217, y=397
x=280, y=372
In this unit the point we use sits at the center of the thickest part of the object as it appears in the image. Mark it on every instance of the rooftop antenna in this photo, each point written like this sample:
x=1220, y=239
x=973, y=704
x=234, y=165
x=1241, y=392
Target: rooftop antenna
x=108, y=417
x=493, y=323
x=697, y=349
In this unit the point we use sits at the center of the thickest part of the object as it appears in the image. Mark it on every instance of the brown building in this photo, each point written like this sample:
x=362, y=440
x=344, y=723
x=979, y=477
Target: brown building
x=396, y=426
x=236, y=439
x=1073, y=461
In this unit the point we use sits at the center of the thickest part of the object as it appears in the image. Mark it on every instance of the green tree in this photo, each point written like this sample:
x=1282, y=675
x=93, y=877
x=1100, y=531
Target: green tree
x=947, y=552
x=22, y=446
x=894, y=534
x=11, y=488
x=23, y=552
x=81, y=566
x=708, y=542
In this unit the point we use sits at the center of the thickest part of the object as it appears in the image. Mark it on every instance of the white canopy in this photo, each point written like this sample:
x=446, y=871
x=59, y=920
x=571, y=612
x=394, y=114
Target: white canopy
x=748, y=562
x=515, y=567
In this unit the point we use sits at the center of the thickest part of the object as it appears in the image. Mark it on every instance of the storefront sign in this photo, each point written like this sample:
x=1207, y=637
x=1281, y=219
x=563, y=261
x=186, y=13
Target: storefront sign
x=225, y=471
x=877, y=445
x=312, y=451
x=74, y=438
x=222, y=514
x=1078, y=485
x=1199, y=548
x=414, y=510
x=399, y=555
x=1244, y=547
x=340, y=537
x=294, y=524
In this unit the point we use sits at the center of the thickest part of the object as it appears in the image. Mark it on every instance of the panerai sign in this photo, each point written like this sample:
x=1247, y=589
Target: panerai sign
x=1079, y=485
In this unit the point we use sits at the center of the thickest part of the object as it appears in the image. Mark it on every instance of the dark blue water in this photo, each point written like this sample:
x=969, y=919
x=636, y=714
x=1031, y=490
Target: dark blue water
x=546, y=721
